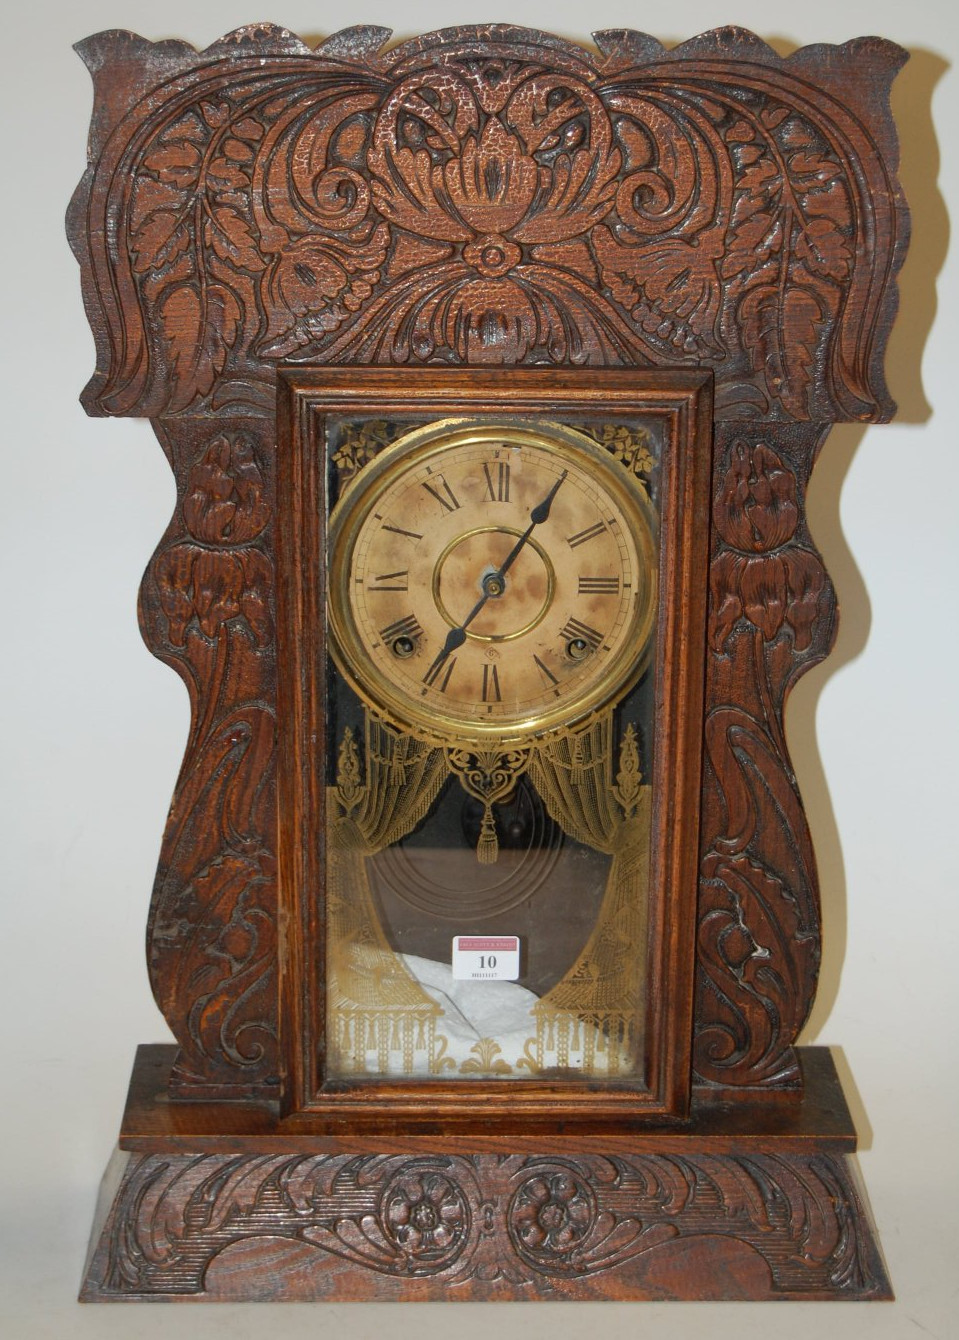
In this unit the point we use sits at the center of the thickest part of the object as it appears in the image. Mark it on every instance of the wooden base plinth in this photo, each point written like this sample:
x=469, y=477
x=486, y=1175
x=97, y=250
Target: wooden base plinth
x=737, y=1204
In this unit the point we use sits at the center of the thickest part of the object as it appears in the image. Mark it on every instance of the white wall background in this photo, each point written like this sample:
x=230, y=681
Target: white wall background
x=93, y=727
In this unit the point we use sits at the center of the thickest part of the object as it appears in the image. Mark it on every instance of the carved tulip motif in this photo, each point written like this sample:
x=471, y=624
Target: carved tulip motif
x=762, y=576
x=485, y=195
x=315, y=284
x=490, y=162
x=207, y=607
x=224, y=577
x=758, y=918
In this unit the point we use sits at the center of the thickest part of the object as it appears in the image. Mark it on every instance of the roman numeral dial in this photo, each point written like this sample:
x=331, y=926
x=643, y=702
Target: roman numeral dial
x=496, y=474
x=491, y=580
x=491, y=689
x=592, y=532
x=599, y=586
x=390, y=581
x=439, y=488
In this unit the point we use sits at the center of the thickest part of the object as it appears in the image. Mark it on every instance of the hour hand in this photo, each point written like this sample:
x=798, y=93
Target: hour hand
x=454, y=638
x=457, y=636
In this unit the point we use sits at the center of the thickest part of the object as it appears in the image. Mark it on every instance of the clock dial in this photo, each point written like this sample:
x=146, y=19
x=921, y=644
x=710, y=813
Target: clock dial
x=491, y=579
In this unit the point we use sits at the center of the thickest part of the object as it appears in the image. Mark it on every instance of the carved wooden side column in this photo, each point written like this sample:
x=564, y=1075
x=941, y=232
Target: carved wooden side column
x=486, y=196
x=206, y=608
x=772, y=615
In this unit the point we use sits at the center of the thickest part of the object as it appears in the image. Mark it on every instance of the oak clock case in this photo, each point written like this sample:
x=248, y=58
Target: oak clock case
x=332, y=276
x=493, y=691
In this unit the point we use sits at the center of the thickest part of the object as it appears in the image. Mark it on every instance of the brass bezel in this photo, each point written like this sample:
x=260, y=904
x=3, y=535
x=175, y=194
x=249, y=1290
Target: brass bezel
x=409, y=453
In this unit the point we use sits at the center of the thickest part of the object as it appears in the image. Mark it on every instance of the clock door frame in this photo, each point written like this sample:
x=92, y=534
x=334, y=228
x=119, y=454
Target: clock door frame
x=682, y=403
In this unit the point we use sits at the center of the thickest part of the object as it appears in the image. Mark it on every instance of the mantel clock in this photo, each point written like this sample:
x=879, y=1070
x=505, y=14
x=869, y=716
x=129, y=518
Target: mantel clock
x=492, y=371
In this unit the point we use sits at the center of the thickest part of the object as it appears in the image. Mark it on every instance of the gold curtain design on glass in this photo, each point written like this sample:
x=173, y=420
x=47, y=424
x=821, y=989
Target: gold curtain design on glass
x=383, y=1020
x=375, y=1005
x=603, y=993
x=492, y=597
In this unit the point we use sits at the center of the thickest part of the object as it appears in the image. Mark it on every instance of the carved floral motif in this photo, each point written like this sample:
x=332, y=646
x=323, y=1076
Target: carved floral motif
x=762, y=576
x=510, y=201
x=370, y=1227
x=486, y=195
x=426, y=1215
x=550, y=1216
x=224, y=577
x=769, y=618
x=207, y=607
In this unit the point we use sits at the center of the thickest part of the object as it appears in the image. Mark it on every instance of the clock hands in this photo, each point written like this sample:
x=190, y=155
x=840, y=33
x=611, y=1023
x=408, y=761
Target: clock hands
x=494, y=583
x=537, y=516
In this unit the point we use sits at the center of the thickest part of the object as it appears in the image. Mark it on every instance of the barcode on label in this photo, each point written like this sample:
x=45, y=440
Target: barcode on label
x=485, y=958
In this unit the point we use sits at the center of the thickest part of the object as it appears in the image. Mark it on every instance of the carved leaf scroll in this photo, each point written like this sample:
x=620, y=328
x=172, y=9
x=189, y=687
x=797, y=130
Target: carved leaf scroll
x=497, y=197
x=771, y=616
x=207, y=609
x=486, y=1227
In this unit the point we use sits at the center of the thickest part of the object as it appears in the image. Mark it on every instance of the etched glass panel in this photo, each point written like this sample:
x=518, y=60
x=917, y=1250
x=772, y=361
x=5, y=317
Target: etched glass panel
x=492, y=608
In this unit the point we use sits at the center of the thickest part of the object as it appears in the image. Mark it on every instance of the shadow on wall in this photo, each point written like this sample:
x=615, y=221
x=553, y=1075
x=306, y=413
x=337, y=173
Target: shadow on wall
x=912, y=96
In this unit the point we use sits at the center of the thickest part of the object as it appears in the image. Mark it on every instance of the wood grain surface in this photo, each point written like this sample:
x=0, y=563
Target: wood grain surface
x=488, y=197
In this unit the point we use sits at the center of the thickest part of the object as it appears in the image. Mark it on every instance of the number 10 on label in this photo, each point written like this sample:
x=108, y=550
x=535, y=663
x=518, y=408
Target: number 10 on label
x=485, y=958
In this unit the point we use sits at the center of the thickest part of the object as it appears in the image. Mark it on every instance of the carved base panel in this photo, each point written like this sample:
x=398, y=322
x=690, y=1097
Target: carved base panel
x=700, y=1213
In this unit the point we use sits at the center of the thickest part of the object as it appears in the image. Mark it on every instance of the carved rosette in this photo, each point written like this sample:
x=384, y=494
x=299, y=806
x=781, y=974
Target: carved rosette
x=550, y=1218
x=348, y=1227
x=425, y=1214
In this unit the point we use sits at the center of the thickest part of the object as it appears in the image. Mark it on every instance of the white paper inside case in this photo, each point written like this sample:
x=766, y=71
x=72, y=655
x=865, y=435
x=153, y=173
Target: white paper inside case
x=490, y=1026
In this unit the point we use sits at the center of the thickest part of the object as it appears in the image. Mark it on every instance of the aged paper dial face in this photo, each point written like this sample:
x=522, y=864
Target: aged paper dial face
x=491, y=580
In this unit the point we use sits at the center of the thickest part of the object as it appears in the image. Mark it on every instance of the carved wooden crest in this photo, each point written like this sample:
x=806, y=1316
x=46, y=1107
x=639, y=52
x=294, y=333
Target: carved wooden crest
x=494, y=196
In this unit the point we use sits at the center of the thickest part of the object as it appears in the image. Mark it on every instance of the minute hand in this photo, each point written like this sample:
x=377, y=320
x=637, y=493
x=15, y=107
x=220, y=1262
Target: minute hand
x=457, y=636
x=537, y=516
